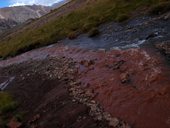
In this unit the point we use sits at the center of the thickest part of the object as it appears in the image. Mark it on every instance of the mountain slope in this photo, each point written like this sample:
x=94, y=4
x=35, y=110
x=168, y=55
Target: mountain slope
x=19, y=14
x=76, y=17
x=7, y=24
x=13, y=16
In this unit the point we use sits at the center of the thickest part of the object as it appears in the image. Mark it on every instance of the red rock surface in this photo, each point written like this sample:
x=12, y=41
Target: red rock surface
x=132, y=85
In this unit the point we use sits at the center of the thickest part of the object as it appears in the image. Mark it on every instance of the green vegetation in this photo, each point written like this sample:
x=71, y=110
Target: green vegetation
x=81, y=20
x=7, y=107
x=7, y=104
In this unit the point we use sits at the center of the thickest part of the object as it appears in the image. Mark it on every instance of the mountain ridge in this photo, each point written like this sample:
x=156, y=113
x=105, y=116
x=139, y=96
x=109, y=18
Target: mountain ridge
x=13, y=16
x=22, y=13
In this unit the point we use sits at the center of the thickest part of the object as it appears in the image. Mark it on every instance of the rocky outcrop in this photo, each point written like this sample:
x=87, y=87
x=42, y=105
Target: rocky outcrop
x=22, y=13
x=7, y=24
x=12, y=16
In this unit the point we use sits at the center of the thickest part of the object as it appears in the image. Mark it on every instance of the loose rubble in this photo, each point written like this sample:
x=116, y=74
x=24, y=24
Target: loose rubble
x=86, y=97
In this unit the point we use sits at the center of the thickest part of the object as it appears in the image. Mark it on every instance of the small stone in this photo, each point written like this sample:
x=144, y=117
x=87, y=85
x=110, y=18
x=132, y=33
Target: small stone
x=93, y=102
x=114, y=122
x=167, y=17
x=152, y=35
x=125, y=78
x=117, y=65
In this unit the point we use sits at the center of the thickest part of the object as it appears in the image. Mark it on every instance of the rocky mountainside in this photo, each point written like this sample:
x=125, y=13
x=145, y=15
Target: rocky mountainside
x=22, y=13
x=12, y=16
x=7, y=24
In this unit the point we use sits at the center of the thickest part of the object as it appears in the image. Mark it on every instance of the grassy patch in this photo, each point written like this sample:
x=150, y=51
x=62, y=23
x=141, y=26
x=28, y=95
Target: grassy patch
x=82, y=20
x=7, y=104
x=7, y=108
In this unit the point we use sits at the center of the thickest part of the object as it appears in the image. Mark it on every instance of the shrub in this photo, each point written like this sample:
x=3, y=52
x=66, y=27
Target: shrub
x=93, y=32
x=72, y=35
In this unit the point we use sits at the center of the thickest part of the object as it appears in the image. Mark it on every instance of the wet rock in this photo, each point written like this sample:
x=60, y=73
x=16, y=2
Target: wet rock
x=152, y=35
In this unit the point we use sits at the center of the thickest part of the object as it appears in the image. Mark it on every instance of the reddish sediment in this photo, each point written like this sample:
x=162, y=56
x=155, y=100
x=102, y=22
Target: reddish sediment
x=132, y=84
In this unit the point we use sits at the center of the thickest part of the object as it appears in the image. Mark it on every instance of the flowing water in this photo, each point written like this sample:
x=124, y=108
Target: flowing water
x=131, y=34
